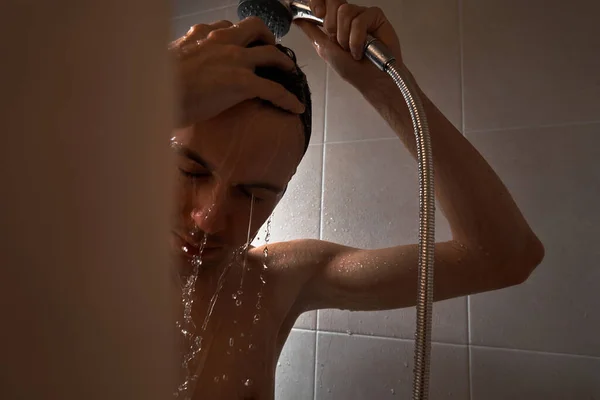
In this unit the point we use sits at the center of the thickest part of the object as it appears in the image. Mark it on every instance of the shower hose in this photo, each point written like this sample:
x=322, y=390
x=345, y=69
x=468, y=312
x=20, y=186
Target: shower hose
x=384, y=60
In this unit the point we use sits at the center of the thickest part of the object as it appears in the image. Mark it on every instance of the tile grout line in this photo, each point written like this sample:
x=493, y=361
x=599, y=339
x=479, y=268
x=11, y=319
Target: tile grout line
x=539, y=126
x=481, y=347
x=461, y=47
x=324, y=125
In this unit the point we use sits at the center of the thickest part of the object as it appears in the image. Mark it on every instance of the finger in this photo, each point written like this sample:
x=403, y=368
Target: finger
x=249, y=30
x=318, y=8
x=346, y=14
x=330, y=22
x=368, y=21
x=270, y=91
x=201, y=31
x=267, y=56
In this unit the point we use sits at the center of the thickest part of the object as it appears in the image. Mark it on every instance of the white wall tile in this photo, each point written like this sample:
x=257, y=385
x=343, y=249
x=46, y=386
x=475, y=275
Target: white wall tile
x=358, y=368
x=295, y=374
x=554, y=177
x=530, y=63
x=449, y=322
x=185, y=7
x=517, y=375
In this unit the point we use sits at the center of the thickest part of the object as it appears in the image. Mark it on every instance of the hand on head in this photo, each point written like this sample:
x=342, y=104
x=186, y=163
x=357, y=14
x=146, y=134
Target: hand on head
x=215, y=68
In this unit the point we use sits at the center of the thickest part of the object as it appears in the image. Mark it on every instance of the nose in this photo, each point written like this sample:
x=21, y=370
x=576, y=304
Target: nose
x=211, y=215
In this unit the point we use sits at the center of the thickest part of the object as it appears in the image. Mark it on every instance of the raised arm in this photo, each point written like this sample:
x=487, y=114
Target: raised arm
x=492, y=246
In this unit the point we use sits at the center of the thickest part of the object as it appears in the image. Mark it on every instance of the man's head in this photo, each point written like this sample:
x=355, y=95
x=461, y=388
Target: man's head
x=250, y=151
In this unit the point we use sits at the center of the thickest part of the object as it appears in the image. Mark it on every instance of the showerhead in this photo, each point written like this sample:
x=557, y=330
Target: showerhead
x=275, y=14
x=279, y=14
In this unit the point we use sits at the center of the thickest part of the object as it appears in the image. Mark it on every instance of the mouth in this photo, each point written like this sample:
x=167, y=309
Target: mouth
x=190, y=249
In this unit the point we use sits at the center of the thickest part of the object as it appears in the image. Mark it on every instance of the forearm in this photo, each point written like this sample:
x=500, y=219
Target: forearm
x=481, y=212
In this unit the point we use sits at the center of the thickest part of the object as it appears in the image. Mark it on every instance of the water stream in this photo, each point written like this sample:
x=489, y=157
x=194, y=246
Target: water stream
x=192, y=340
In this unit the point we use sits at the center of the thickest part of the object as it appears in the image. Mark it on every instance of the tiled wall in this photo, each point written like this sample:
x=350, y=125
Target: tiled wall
x=522, y=81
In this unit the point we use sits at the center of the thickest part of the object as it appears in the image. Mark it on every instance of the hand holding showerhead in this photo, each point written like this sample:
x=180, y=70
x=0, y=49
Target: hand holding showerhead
x=279, y=14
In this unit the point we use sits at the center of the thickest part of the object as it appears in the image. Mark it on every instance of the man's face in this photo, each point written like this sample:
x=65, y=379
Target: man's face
x=249, y=152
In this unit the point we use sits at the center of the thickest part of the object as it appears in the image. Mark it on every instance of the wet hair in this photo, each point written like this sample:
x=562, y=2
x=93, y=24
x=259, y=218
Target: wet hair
x=295, y=82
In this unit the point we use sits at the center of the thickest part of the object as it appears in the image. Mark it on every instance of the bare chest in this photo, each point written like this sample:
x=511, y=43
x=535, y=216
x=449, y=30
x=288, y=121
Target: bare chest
x=241, y=326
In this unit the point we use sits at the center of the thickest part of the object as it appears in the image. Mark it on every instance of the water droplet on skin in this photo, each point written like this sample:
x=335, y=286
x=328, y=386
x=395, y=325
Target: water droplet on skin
x=248, y=382
x=256, y=318
x=216, y=379
x=238, y=302
x=234, y=296
x=393, y=391
x=231, y=342
x=225, y=378
x=251, y=346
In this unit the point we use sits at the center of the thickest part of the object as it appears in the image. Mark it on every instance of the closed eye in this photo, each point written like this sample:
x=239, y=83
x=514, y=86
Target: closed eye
x=193, y=175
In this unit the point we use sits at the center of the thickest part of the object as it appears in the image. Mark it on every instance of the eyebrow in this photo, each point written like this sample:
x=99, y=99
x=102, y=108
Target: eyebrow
x=192, y=155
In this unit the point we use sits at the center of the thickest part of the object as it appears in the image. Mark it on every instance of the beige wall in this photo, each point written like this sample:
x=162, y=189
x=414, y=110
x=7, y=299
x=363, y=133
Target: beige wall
x=85, y=110
x=521, y=80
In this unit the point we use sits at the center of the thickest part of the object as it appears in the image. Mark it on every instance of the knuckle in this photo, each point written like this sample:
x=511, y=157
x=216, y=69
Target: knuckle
x=216, y=34
x=255, y=22
x=224, y=22
x=196, y=29
x=345, y=9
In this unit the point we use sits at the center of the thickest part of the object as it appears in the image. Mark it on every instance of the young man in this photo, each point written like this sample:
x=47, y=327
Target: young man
x=245, y=127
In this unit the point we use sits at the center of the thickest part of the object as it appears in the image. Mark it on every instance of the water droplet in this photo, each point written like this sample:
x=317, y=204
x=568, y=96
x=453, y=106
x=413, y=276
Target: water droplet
x=256, y=318
x=258, y=306
x=231, y=342
x=251, y=346
x=225, y=378
x=216, y=379
x=248, y=382
x=393, y=391
x=242, y=334
x=405, y=365
x=329, y=390
x=348, y=332
x=234, y=296
x=279, y=364
x=238, y=302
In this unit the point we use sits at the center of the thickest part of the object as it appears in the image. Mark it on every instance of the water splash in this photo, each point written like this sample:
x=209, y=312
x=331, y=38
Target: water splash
x=187, y=327
x=215, y=296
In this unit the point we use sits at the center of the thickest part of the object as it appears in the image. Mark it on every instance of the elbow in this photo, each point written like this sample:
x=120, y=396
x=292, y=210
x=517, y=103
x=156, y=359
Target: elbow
x=521, y=266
